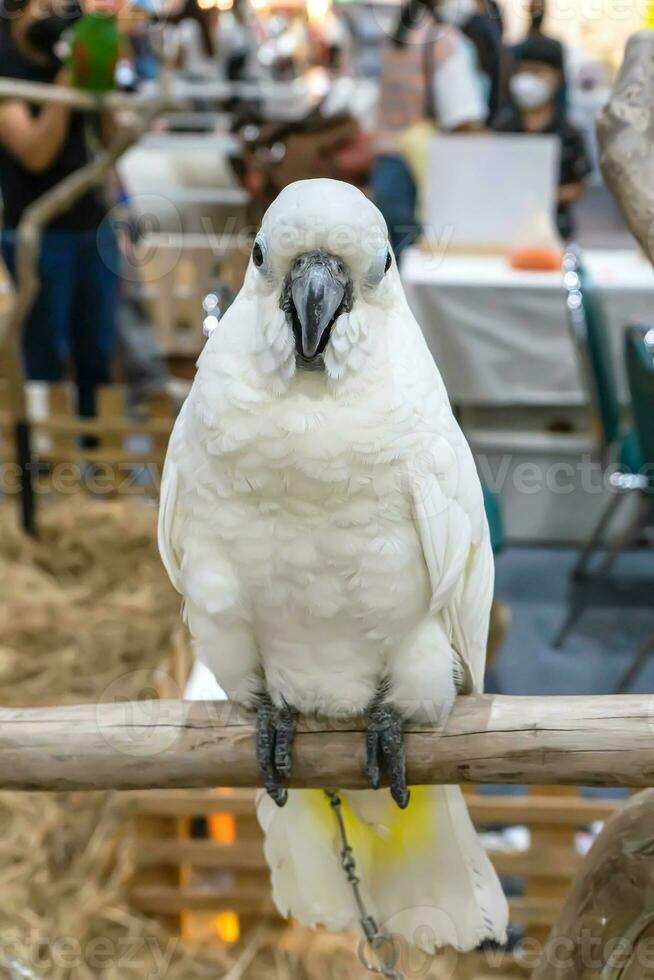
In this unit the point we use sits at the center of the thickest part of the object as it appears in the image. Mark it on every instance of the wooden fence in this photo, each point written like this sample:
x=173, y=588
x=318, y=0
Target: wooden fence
x=117, y=440
x=224, y=869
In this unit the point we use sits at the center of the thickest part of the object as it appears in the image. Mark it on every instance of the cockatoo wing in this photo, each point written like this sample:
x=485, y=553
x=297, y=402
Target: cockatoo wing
x=460, y=570
x=448, y=506
x=170, y=508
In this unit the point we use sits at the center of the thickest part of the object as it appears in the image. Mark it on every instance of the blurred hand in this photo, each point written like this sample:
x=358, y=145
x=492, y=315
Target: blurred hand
x=64, y=76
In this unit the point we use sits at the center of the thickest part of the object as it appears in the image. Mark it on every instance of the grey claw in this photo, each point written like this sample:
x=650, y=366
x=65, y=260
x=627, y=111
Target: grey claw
x=392, y=743
x=285, y=734
x=385, y=746
x=279, y=795
x=373, y=768
x=275, y=734
x=401, y=794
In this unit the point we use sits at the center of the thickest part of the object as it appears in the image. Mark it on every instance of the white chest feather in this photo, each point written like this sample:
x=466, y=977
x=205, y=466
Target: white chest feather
x=314, y=524
x=305, y=520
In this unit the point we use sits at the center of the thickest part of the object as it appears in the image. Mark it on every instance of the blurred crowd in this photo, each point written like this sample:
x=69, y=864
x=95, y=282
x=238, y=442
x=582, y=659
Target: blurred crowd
x=447, y=63
x=437, y=66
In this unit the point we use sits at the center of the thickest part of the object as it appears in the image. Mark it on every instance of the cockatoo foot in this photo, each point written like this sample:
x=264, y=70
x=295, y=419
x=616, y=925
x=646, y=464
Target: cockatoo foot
x=275, y=734
x=385, y=749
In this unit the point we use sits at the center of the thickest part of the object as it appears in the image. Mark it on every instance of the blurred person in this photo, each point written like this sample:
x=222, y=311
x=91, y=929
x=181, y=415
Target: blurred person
x=537, y=15
x=427, y=73
x=481, y=22
x=74, y=315
x=145, y=61
x=536, y=108
x=237, y=42
x=196, y=30
x=335, y=35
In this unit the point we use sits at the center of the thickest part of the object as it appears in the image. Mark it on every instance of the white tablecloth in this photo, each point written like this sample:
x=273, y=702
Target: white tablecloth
x=500, y=336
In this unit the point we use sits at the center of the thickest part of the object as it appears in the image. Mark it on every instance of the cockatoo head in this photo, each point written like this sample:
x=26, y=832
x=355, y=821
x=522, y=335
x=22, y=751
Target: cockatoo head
x=322, y=273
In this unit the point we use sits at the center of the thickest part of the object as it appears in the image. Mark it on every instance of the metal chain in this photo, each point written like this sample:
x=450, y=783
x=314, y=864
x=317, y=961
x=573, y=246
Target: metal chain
x=374, y=936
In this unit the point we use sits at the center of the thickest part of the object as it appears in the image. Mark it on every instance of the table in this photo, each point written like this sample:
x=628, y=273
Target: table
x=500, y=336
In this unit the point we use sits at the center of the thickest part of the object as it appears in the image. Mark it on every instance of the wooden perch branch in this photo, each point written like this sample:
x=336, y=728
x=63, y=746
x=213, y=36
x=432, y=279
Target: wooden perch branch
x=180, y=94
x=43, y=93
x=607, y=741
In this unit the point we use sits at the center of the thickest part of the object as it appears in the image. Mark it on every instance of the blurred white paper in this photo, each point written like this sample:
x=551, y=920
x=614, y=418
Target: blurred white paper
x=485, y=190
x=202, y=685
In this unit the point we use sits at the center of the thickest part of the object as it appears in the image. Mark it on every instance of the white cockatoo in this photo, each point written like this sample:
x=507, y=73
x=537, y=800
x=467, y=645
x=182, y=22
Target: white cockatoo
x=323, y=519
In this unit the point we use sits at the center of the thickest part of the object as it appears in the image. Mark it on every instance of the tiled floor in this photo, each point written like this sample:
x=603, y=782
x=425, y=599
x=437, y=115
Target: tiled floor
x=534, y=583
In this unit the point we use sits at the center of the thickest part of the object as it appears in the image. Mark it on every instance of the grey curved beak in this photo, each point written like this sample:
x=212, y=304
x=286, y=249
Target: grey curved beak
x=318, y=285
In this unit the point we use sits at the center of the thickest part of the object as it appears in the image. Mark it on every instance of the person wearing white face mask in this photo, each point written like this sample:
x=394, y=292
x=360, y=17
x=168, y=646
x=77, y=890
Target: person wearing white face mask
x=536, y=107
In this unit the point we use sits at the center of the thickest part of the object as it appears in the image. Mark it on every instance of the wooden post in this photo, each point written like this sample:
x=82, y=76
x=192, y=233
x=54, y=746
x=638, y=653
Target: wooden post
x=111, y=406
x=605, y=929
x=625, y=131
x=61, y=406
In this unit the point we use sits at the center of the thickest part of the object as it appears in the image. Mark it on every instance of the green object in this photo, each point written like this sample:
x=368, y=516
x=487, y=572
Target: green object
x=494, y=517
x=631, y=455
x=597, y=354
x=639, y=355
x=95, y=49
x=603, y=384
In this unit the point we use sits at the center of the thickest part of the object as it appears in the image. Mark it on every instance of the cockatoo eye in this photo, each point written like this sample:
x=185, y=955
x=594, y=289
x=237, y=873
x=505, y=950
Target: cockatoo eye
x=261, y=256
x=257, y=255
x=379, y=266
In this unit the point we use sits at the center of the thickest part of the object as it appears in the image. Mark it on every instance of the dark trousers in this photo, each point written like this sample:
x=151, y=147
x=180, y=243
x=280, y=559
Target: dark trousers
x=74, y=316
x=394, y=193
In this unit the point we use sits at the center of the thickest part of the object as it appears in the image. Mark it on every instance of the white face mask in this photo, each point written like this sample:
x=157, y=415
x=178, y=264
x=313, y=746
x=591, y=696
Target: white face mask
x=530, y=91
x=456, y=12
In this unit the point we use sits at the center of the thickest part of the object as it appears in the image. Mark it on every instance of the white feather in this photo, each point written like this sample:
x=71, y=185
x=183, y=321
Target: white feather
x=447, y=895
